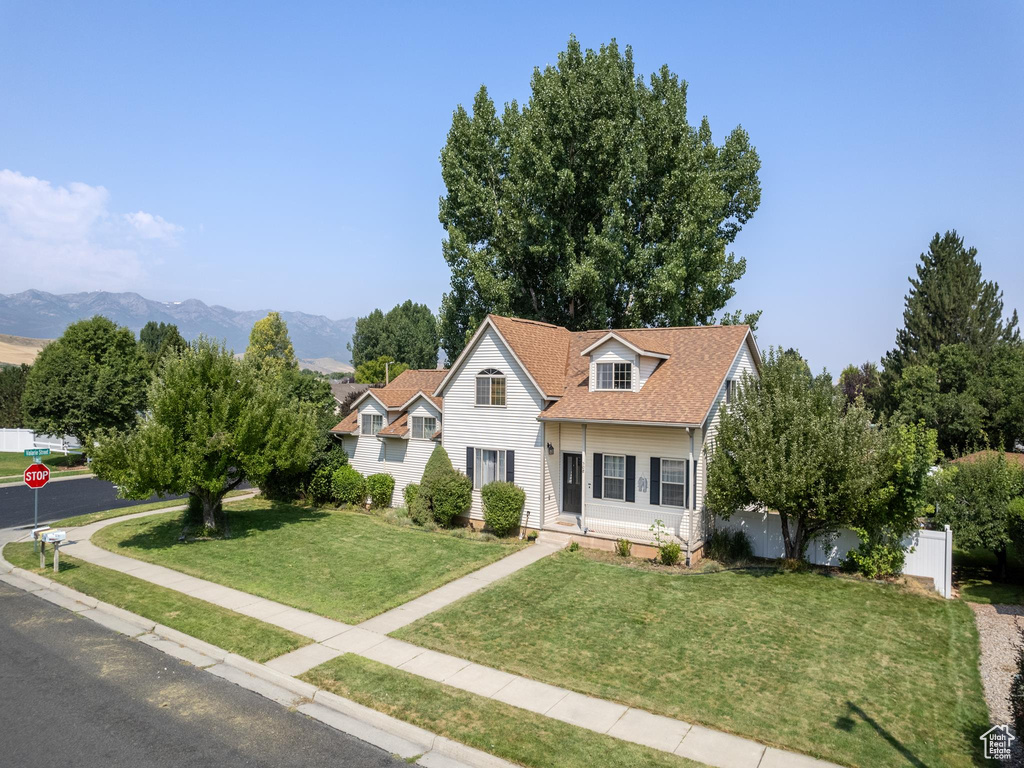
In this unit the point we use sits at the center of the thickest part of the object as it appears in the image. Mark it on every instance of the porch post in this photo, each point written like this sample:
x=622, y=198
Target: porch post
x=691, y=491
x=583, y=490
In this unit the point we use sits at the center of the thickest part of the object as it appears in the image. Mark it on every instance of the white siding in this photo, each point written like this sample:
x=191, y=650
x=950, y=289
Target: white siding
x=641, y=442
x=552, y=472
x=647, y=366
x=513, y=427
x=742, y=364
x=613, y=351
x=402, y=459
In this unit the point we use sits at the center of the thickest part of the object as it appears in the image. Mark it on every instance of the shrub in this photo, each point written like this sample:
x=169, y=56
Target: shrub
x=876, y=557
x=349, y=486
x=623, y=547
x=419, y=510
x=503, y=506
x=574, y=546
x=409, y=493
x=438, y=469
x=669, y=553
x=728, y=546
x=451, y=495
x=321, y=486
x=380, y=487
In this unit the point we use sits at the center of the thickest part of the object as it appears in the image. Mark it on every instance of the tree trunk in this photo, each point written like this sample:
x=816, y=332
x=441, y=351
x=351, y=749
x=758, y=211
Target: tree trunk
x=211, y=509
x=1001, y=564
x=793, y=538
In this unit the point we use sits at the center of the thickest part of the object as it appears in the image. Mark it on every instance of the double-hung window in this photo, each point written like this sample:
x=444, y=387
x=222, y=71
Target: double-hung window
x=614, y=375
x=490, y=387
x=423, y=427
x=489, y=466
x=372, y=423
x=673, y=482
x=614, y=479
x=730, y=389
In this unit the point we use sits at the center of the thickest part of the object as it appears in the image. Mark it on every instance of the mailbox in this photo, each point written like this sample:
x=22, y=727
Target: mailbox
x=53, y=537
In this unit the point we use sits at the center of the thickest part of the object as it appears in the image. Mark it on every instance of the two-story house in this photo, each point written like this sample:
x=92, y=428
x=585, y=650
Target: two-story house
x=607, y=432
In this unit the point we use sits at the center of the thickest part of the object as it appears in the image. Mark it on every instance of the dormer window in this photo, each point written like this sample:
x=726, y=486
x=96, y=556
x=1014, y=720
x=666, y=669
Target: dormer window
x=372, y=423
x=490, y=387
x=615, y=376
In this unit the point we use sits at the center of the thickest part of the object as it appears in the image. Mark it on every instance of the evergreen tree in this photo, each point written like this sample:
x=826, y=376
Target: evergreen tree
x=12, y=387
x=949, y=303
x=159, y=339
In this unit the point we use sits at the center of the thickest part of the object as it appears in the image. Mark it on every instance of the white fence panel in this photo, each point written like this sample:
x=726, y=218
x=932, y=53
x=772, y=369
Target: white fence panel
x=932, y=555
x=18, y=440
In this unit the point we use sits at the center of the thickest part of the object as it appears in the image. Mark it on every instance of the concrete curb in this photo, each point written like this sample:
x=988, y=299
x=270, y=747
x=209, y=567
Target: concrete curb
x=382, y=731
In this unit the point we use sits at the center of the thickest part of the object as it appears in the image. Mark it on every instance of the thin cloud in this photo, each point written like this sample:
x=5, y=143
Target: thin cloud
x=67, y=237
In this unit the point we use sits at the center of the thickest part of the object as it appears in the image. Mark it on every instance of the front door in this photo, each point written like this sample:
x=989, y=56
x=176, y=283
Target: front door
x=572, y=483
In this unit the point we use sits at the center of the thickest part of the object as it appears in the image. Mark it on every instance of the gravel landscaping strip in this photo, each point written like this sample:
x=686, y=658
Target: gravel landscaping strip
x=999, y=630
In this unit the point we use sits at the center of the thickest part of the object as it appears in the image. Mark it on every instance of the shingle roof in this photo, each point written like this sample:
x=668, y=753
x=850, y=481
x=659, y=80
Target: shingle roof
x=1011, y=458
x=404, y=388
x=397, y=428
x=540, y=347
x=342, y=389
x=680, y=391
x=348, y=425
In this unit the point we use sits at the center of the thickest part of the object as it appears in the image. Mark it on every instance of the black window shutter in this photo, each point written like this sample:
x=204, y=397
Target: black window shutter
x=687, y=502
x=655, y=480
x=510, y=466
x=469, y=463
x=598, y=474
x=631, y=478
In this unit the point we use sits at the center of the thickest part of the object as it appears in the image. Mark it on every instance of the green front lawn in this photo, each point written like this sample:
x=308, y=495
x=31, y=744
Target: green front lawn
x=974, y=576
x=849, y=671
x=515, y=734
x=226, y=629
x=337, y=563
x=12, y=465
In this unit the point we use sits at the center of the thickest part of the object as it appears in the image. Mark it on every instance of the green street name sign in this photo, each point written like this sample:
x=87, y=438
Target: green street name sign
x=37, y=451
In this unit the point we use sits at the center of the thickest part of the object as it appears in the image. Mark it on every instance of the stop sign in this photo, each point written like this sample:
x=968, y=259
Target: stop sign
x=37, y=475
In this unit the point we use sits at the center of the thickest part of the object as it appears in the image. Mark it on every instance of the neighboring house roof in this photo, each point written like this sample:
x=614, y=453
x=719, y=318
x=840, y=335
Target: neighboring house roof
x=681, y=390
x=343, y=389
x=1012, y=458
x=397, y=396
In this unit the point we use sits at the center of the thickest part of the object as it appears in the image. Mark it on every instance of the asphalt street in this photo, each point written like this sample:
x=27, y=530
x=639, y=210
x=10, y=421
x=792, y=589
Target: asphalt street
x=58, y=499
x=75, y=693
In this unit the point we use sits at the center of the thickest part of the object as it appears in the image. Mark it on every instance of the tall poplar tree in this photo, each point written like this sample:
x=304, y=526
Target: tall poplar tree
x=595, y=204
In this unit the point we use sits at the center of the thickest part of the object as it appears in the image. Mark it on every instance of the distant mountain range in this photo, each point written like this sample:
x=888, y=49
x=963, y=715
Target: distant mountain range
x=38, y=314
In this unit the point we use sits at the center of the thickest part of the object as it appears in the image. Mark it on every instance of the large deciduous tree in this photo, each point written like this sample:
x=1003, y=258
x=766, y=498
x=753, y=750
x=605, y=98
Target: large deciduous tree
x=790, y=443
x=596, y=204
x=213, y=422
x=382, y=370
x=407, y=333
x=270, y=349
x=93, y=377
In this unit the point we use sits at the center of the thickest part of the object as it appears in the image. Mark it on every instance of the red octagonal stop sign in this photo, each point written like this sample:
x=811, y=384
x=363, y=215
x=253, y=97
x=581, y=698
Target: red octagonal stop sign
x=37, y=475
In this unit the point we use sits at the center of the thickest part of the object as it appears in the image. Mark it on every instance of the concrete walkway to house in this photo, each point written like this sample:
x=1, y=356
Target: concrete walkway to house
x=369, y=640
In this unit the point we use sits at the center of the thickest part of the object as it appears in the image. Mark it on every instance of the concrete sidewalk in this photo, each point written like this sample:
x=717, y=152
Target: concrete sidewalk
x=369, y=640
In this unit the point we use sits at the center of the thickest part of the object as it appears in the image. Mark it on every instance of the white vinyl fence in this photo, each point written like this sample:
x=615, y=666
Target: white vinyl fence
x=18, y=440
x=932, y=555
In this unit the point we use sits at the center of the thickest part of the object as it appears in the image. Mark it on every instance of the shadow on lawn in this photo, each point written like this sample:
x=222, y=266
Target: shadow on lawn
x=241, y=523
x=847, y=723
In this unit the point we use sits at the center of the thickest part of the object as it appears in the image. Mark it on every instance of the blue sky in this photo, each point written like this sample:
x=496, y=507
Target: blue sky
x=286, y=155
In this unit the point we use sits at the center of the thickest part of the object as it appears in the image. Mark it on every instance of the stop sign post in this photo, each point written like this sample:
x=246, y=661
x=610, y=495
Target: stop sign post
x=36, y=476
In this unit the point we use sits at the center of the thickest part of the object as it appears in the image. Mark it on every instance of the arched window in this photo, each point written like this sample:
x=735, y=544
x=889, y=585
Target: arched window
x=490, y=387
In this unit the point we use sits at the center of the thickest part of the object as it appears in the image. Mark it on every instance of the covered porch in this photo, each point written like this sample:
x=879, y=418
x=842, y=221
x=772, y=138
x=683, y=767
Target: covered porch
x=636, y=482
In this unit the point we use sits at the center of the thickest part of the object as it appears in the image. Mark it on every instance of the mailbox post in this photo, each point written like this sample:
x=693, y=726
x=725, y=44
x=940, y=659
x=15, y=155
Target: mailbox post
x=56, y=538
